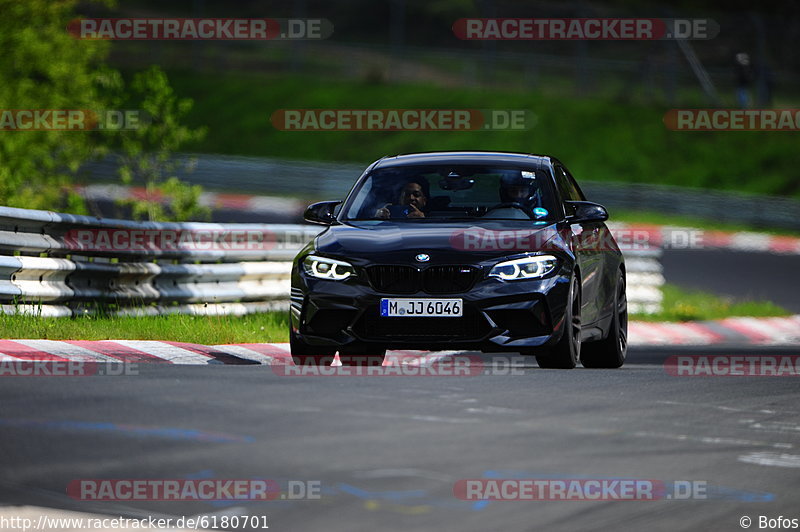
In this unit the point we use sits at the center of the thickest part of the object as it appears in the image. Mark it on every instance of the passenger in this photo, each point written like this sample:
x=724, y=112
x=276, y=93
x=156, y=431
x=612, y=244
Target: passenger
x=412, y=202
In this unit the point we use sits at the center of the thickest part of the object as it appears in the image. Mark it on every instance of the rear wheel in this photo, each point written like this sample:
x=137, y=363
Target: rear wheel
x=362, y=356
x=565, y=354
x=610, y=352
x=310, y=355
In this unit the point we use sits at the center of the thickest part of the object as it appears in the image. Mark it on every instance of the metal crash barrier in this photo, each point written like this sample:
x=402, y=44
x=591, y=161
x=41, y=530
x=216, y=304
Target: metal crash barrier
x=56, y=264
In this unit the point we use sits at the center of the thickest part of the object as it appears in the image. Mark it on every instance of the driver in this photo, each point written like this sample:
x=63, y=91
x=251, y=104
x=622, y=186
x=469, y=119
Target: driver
x=516, y=189
x=413, y=199
x=519, y=197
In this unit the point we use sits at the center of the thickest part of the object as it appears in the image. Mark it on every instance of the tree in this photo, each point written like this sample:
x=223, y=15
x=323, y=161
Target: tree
x=146, y=153
x=44, y=67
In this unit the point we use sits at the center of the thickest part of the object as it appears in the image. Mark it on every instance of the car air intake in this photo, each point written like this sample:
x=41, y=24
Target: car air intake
x=394, y=279
x=433, y=280
x=449, y=279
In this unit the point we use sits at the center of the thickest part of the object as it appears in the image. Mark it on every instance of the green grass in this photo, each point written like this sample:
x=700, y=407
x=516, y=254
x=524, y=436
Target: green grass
x=206, y=330
x=679, y=305
x=598, y=140
x=684, y=305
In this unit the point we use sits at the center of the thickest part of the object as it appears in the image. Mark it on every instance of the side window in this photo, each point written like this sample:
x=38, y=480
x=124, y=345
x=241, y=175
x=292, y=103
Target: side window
x=566, y=185
x=576, y=190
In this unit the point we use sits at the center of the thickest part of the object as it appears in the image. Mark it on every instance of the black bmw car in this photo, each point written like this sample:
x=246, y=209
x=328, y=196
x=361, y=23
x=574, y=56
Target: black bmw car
x=484, y=251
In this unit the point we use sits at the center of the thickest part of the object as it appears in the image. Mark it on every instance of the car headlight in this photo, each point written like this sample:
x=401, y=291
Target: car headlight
x=525, y=268
x=325, y=268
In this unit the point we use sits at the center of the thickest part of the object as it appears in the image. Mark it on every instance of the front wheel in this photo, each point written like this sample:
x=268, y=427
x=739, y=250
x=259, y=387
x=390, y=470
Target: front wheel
x=565, y=354
x=610, y=352
x=310, y=355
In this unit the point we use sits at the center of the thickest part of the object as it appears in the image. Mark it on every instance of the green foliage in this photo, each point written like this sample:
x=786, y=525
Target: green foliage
x=44, y=67
x=598, y=140
x=146, y=153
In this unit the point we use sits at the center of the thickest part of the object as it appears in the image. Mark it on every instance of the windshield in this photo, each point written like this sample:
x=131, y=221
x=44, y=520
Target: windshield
x=448, y=192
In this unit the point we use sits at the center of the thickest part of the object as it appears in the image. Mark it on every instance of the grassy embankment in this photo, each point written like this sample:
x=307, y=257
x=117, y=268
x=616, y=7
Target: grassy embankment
x=597, y=139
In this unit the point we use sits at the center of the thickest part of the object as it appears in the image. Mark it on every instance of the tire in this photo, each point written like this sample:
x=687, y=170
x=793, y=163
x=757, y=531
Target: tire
x=565, y=354
x=310, y=355
x=362, y=356
x=610, y=352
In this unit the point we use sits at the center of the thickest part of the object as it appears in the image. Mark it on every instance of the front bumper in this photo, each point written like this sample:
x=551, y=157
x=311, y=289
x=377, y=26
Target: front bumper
x=498, y=315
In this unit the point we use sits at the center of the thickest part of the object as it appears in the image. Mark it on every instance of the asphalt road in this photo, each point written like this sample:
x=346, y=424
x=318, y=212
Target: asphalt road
x=388, y=450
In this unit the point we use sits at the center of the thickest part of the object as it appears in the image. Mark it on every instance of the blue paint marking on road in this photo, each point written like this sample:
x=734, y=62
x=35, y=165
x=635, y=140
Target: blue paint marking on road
x=209, y=474
x=388, y=495
x=200, y=475
x=730, y=494
x=223, y=503
x=480, y=505
x=170, y=433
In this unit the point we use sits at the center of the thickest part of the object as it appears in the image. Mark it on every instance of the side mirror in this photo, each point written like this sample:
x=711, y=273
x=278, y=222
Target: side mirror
x=585, y=212
x=321, y=213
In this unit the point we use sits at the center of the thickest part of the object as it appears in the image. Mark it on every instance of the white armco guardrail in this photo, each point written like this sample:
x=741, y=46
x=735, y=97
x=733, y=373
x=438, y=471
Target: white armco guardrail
x=57, y=264
x=54, y=264
x=645, y=279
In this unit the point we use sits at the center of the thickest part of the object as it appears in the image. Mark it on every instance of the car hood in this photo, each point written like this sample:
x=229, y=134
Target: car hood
x=467, y=241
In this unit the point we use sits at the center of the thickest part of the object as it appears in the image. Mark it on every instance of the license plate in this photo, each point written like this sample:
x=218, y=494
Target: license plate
x=416, y=308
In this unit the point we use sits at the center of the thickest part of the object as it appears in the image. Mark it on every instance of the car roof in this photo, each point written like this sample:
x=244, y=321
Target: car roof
x=464, y=157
